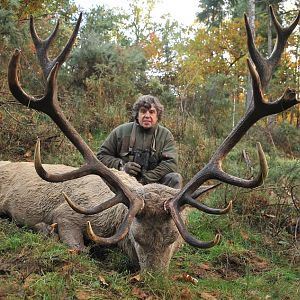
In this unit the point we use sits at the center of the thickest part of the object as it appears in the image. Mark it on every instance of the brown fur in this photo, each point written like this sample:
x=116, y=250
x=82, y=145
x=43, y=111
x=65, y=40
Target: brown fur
x=31, y=201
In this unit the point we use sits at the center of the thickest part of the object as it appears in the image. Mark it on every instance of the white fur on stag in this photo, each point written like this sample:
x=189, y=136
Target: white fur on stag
x=148, y=222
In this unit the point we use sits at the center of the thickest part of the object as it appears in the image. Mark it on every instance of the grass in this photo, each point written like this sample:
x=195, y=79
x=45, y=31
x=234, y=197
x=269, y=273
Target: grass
x=246, y=265
x=256, y=259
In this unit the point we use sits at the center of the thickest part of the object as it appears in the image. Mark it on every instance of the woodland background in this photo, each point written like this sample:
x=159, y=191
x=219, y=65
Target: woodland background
x=200, y=75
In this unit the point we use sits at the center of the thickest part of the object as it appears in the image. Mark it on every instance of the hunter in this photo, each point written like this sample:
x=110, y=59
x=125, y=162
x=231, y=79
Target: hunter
x=143, y=148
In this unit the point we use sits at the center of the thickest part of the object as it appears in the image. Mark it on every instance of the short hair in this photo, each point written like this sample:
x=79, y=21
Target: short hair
x=147, y=101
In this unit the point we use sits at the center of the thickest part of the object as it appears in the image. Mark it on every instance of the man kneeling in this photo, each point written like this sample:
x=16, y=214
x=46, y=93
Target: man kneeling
x=143, y=148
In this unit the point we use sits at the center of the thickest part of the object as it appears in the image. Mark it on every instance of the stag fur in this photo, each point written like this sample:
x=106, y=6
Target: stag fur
x=33, y=202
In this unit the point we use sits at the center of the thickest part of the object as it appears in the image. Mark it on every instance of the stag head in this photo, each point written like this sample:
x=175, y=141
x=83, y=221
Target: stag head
x=170, y=210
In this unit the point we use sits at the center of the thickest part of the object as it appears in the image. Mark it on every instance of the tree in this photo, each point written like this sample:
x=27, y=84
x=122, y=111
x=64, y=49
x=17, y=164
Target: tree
x=251, y=16
x=41, y=8
x=140, y=23
x=213, y=12
x=106, y=25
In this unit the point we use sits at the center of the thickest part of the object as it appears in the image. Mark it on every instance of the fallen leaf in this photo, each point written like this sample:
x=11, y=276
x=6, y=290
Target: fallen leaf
x=102, y=280
x=82, y=295
x=186, y=294
x=139, y=293
x=205, y=266
x=90, y=137
x=135, y=278
x=269, y=216
x=244, y=235
x=208, y=296
x=54, y=227
x=30, y=279
x=179, y=261
x=188, y=278
x=67, y=267
x=74, y=251
x=283, y=243
x=185, y=277
x=3, y=293
x=201, y=270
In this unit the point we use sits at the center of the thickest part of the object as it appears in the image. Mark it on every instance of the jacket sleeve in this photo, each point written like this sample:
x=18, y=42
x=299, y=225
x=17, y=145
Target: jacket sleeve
x=108, y=152
x=168, y=163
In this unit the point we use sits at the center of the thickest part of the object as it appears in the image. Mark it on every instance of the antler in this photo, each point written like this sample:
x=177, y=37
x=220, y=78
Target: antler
x=42, y=46
x=261, y=108
x=49, y=105
x=266, y=66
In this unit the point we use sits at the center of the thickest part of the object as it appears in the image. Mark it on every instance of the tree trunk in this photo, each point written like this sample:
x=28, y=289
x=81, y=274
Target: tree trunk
x=271, y=120
x=251, y=16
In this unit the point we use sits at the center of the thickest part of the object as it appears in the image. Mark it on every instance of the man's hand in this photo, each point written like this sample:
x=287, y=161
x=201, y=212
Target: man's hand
x=132, y=168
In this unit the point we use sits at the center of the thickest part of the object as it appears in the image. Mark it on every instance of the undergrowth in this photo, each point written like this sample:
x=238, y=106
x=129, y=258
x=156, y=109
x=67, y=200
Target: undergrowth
x=256, y=259
x=247, y=264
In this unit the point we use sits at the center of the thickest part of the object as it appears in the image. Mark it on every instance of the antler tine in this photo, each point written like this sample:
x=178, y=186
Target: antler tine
x=13, y=81
x=96, y=209
x=186, y=235
x=266, y=66
x=49, y=105
x=219, y=174
x=118, y=236
x=283, y=33
x=80, y=172
x=204, y=189
x=42, y=46
x=260, y=109
x=213, y=170
x=122, y=230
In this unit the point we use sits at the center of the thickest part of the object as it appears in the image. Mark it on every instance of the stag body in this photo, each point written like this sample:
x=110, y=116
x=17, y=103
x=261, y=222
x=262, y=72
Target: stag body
x=31, y=201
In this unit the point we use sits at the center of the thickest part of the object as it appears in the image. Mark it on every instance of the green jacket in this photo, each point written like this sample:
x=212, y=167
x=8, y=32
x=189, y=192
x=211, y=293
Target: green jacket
x=115, y=150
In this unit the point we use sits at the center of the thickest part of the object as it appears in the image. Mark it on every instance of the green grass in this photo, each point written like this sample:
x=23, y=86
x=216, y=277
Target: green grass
x=245, y=265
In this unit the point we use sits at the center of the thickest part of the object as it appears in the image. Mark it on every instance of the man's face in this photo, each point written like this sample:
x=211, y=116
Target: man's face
x=147, y=118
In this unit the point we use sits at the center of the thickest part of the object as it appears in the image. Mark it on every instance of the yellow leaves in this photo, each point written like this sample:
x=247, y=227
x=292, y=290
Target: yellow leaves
x=153, y=47
x=74, y=251
x=215, y=51
x=89, y=294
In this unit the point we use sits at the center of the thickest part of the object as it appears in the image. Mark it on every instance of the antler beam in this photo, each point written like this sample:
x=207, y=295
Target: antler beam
x=49, y=105
x=261, y=108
